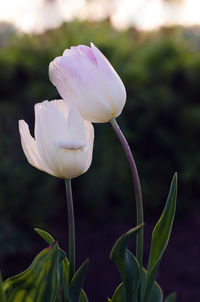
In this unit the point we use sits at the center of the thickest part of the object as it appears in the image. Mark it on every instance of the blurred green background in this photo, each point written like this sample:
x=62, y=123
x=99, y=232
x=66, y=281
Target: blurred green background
x=161, y=120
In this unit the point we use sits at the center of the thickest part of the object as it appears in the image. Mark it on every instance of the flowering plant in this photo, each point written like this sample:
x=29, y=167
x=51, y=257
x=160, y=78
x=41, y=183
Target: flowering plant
x=91, y=91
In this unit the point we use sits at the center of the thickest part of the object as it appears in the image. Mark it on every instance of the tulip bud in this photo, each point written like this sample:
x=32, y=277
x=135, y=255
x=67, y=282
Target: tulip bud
x=63, y=141
x=84, y=76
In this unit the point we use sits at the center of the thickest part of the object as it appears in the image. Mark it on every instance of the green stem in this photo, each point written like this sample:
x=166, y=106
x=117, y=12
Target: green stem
x=137, y=188
x=71, y=225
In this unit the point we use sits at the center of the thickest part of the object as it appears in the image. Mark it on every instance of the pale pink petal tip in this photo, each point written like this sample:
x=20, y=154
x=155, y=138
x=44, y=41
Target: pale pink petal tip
x=92, y=45
x=88, y=52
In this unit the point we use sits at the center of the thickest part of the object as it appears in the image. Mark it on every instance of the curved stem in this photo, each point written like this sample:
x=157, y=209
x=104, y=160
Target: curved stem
x=137, y=188
x=71, y=225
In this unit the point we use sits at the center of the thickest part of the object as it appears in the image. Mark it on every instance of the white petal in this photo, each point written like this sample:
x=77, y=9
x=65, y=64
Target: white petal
x=90, y=137
x=113, y=83
x=30, y=148
x=50, y=126
x=71, y=144
x=62, y=143
x=75, y=124
x=79, y=81
x=62, y=107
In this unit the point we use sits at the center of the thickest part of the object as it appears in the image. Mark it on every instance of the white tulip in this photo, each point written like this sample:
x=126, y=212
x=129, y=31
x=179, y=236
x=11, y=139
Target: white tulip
x=84, y=76
x=63, y=143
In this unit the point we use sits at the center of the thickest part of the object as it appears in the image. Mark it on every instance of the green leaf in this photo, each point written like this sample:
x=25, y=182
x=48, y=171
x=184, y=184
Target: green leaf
x=122, y=243
x=160, y=237
x=46, y=236
x=40, y=282
x=127, y=264
x=109, y=300
x=77, y=283
x=64, y=270
x=131, y=277
x=171, y=298
x=2, y=296
x=117, y=297
x=83, y=296
x=64, y=273
x=156, y=294
x=64, y=265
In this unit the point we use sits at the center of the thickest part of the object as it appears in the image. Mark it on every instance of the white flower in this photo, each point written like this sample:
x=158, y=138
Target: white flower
x=63, y=141
x=84, y=76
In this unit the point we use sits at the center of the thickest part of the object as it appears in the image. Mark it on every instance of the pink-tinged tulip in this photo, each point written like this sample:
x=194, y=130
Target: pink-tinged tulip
x=85, y=77
x=63, y=141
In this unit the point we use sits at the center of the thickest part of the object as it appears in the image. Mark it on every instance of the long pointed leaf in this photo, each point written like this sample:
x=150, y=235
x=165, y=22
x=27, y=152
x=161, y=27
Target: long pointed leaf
x=156, y=294
x=127, y=264
x=83, y=296
x=131, y=277
x=40, y=282
x=77, y=283
x=64, y=265
x=171, y=298
x=64, y=279
x=122, y=243
x=117, y=296
x=160, y=237
x=2, y=296
x=46, y=236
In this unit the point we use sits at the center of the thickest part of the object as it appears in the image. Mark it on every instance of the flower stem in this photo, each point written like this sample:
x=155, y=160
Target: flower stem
x=137, y=188
x=71, y=226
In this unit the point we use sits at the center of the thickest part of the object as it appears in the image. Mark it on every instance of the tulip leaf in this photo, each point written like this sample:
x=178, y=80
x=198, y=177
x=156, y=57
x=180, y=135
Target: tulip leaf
x=46, y=236
x=122, y=243
x=171, y=298
x=40, y=282
x=83, y=296
x=64, y=273
x=117, y=296
x=156, y=294
x=77, y=282
x=160, y=237
x=127, y=264
x=64, y=265
x=109, y=300
x=131, y=277
x=2, y=296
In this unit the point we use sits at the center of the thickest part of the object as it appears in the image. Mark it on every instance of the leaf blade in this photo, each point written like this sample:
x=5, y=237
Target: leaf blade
x=2, y=295
x=77, y=282
x=156, y=295
x=117, y=296
x=127, y=264
x=39, y=282
x=46, y=236
x=160, y=236
x=171, y=298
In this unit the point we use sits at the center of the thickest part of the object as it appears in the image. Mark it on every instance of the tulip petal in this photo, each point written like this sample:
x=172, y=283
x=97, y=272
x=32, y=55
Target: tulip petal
x=75, y=124
x=62, y=138
x=90, y=138
x=77, y=79
x=50, y=126
x=112, y=81
x=62, y=107
x=84, y=76
x=30, y=149
x=71, y=145
x=88, y=52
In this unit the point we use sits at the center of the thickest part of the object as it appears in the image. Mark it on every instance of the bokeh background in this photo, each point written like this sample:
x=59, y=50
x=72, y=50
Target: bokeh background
x=154, y=46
